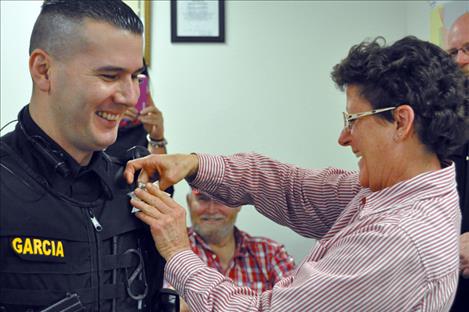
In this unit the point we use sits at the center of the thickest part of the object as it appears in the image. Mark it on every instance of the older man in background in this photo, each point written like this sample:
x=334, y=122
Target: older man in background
x=458, y=48
x=255, y=262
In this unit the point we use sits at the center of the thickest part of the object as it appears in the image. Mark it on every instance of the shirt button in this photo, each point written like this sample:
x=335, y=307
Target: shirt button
x=214, y=256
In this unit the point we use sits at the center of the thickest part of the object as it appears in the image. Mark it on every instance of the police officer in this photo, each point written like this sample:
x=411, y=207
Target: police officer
x=67, y=237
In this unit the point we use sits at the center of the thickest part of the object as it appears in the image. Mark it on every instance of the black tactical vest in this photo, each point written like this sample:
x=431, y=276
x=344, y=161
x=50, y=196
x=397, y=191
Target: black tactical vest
x=52, y=246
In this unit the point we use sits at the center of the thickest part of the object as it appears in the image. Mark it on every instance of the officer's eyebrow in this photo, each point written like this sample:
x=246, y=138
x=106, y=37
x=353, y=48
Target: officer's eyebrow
x=117, y=69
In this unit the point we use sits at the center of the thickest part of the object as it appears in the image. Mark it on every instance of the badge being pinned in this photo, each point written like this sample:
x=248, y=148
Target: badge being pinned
x=142, y=187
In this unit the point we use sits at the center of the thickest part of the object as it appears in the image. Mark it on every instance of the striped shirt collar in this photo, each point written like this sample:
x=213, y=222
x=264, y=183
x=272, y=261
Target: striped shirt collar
x=421, y=186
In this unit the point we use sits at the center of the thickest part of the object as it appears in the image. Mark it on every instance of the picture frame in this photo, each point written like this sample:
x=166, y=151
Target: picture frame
x=198, y=21
x=143, y=8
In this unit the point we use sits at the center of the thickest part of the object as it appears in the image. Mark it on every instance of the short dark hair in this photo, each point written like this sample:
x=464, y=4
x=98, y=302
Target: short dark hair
x=413, y=72
x=58, y=20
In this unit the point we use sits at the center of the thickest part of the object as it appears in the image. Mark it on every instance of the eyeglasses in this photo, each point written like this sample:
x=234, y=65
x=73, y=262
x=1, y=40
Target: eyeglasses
x=203, y=198
x=349, y=118
x=454, y=52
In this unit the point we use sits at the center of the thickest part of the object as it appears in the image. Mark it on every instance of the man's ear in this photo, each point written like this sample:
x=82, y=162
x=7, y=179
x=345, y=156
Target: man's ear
x=404, y=117
x=39, y=67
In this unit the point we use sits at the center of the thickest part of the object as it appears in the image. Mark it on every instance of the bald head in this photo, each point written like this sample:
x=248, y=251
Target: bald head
x=461, y=22
x=458, y=42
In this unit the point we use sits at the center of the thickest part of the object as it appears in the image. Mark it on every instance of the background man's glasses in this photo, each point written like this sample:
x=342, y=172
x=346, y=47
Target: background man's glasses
x=454, y=52
x=202, y=197
x=349, y=118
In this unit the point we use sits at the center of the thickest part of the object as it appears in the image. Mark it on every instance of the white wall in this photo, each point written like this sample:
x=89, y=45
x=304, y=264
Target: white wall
x=16, y=23
x=417, y=15
x=267, y=89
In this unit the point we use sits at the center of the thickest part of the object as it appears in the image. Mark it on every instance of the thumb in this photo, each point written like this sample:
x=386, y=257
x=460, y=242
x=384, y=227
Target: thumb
x=143, y=177
x=164, y=183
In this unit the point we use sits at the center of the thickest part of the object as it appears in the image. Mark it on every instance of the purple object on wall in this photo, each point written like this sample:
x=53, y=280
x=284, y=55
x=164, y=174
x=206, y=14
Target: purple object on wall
x=142, y=100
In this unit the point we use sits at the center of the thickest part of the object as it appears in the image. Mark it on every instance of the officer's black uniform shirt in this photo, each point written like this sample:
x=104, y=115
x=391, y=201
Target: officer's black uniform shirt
x=94, y=184
x=127, y=137
x=83, y=183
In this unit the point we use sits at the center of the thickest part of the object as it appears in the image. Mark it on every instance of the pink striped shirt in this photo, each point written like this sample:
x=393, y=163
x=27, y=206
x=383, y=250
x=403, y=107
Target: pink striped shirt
x=391, y=250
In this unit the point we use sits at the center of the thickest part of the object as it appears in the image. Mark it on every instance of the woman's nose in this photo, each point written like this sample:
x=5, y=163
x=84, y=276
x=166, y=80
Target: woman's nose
x=344, y=137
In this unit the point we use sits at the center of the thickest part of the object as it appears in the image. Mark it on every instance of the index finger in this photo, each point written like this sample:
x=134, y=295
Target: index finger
x=149, y=109
x=132, y=167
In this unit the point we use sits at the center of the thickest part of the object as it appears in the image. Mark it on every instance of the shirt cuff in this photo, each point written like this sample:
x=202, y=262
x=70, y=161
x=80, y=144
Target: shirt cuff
x=211, y=172
x=181, y=267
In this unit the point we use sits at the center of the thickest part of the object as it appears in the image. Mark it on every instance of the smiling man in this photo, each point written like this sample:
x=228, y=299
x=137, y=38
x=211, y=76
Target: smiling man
x=388, y=234
x=66, y=229
x=255, y=262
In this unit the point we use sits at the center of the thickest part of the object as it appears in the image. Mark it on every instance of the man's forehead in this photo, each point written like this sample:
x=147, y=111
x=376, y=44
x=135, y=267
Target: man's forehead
x=459, y=32
x=105, y=47
x=199, y=195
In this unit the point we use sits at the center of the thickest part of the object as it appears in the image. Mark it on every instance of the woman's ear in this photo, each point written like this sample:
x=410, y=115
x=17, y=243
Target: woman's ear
x=39, y=67
x=404, y=117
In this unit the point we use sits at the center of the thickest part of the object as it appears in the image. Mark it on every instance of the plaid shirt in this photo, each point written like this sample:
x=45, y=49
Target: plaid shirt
x=258, y=262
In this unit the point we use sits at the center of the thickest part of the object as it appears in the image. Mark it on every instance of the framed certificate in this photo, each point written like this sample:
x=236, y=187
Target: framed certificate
x=197, y=20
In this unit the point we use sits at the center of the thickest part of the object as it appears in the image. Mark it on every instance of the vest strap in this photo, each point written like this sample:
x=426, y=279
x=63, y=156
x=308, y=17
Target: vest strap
x=111, y=262
x=47, y=297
